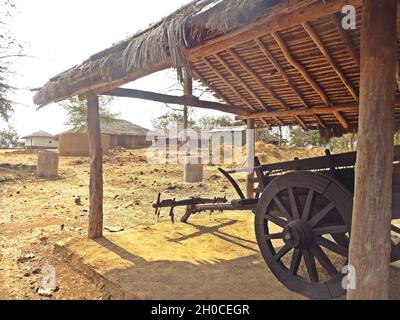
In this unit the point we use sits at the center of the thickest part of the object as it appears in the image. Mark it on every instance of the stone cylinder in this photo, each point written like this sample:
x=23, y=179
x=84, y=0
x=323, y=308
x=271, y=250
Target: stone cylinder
x=193, y=170
x=48, y=164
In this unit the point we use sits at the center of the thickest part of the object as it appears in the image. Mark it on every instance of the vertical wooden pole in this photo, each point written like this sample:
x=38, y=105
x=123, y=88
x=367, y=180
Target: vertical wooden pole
x=96, y=168
x=187, y=91
x=370, y=238
x=250, y=146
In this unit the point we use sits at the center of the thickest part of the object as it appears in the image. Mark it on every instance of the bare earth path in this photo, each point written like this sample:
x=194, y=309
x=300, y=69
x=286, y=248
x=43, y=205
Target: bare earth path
x=37, y=213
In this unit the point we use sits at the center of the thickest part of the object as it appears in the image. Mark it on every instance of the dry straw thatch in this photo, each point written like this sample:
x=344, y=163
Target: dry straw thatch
x=172, y=36
x=164, y=43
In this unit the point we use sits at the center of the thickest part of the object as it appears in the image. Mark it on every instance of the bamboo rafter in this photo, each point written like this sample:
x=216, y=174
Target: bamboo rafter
x=286, y=52
x=227, y=83
x=240, y=80
x=318, y=42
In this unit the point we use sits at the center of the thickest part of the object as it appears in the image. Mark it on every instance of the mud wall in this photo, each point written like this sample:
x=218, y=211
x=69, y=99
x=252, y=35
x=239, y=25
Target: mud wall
x=77, y=144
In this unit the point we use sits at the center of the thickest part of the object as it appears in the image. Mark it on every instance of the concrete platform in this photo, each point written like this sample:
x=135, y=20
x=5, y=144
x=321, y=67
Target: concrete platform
x=213, y=257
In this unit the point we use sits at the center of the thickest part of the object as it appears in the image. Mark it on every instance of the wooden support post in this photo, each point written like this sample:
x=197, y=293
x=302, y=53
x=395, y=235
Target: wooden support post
x=188, y=91
x=96, y=168
x=250, y=148
x=370, y=237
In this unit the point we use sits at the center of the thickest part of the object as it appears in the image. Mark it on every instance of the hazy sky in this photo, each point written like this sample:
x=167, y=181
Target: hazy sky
x=59, y=34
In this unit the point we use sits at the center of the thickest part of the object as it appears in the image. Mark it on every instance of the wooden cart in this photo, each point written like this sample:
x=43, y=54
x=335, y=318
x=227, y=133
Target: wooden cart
x=303, y=212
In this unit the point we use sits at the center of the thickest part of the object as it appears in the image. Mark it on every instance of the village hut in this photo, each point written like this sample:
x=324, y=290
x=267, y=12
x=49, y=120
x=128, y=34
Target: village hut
x=271, y=63
x=115, y=133
x=40, y=140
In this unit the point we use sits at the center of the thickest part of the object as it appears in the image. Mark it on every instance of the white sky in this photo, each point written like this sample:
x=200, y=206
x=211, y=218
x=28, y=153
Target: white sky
x=59, y=34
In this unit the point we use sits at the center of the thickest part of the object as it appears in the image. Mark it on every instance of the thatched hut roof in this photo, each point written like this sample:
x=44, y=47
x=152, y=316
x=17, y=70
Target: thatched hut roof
x=117, y=127
x=39, y=134
x=284, y=62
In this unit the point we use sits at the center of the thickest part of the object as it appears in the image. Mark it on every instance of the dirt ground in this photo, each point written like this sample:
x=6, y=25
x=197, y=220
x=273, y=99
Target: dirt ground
x=36, y=213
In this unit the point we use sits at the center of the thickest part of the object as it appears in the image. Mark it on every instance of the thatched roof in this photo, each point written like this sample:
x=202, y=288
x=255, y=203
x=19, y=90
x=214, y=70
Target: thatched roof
x=284, y=62
x=158, y=47
x=39, y=134
x=115, y=127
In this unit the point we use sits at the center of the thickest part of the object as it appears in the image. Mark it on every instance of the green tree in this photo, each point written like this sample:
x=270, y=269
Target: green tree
x=301, y=138
x=397, y=138
x=8, y=138
x=210, y=122
x=267, y=136
x=9, y=49
x=77, y=111
x=172, y=118
x=345, y=143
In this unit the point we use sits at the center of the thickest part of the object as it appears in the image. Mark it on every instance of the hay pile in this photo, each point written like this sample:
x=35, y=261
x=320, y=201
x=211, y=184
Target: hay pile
x=268, y=153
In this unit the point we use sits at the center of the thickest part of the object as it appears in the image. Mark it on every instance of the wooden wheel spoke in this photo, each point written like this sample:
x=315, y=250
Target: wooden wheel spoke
x=324, y=260
x=278, y=221
x=331, y=230
x=395, y=229
x=342, y=239
x=282, y=208
x=274, y=236
x=322, y=214
x=332, y=246
x=282, y=252
x=295, y=263
x=311, y=266
x=307, y=206
x=293, y=204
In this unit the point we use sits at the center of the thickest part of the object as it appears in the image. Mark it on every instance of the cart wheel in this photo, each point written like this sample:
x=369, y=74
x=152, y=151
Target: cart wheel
x=395, y=253
x=302, y=224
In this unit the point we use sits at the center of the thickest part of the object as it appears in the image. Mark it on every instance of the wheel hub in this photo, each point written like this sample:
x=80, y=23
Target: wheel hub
x=298, y=234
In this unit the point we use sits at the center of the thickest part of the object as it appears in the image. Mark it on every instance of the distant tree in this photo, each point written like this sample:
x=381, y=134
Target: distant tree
x=172, y=119
x=267, y=136
x=210, y=122
x=347, y=142
x=301, y=138
x=77, y=111
x=297, y=137
x=397, y=138
x=8, y=138
x=9, y=49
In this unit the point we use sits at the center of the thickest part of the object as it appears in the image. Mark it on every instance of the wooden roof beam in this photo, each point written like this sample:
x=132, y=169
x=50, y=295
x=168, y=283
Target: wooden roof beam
x=265, y=86
x=256, y=77
x=218, y=94
x=204, y=81
x=285, y=76
x=289, y=57
x=346, y=39
x=183, y=100
x=242, y=83
x=230, y=86
x=318, y=42
x=284, y=15
x=280, y=70
x=301, y=112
